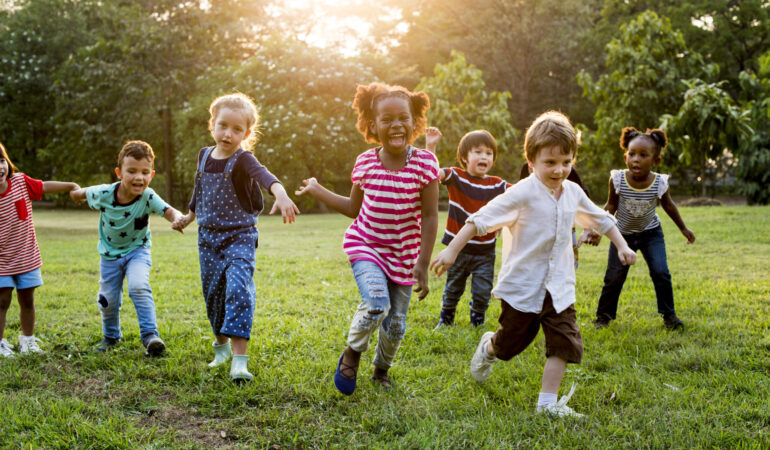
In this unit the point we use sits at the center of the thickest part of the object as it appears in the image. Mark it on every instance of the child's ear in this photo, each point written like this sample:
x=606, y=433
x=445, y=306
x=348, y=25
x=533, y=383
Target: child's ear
x=117, y=172
x=372, y=128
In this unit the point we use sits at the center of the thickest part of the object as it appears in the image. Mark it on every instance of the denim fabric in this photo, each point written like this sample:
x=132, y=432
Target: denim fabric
x=653, y=248
x=482, y=269
x=135, y=267
x=26, y=280
x=384, y=304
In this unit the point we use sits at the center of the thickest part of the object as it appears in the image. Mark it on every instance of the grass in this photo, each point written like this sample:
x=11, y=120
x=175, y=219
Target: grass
x=639, y=385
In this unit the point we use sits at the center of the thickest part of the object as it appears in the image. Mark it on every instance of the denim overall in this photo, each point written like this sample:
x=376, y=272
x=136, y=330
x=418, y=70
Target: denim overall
x=227, y=239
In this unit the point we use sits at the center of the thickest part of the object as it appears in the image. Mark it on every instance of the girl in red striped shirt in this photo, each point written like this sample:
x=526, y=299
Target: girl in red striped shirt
x=394, y=201
x=19, y=255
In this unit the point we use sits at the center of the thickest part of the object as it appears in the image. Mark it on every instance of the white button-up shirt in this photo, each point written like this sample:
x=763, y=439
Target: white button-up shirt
x=540, y=256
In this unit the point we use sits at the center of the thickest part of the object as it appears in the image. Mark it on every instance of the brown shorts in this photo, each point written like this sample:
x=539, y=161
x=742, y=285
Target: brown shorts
x=518, y=329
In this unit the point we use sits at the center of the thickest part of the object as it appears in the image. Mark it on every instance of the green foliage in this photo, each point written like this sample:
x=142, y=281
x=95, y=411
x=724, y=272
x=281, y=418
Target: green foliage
x=754, y=162
x=460, y=103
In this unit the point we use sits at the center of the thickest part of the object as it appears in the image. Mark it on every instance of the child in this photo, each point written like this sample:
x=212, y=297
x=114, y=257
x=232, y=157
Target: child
x=634, y=193
x=226, y=202
x=19, y=255
x=394, y=200
x=470, y=188
x=124, y=243
x=537, y=279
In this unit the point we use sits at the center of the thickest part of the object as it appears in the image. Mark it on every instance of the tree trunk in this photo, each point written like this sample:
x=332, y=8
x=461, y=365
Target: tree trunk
x=703, y=178
x=168, y=153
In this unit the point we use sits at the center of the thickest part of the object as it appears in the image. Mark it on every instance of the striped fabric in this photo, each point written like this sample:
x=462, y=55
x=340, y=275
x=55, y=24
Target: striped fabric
x=387, y=228
x=18, y=246
x=636, y=207
x=467, y=194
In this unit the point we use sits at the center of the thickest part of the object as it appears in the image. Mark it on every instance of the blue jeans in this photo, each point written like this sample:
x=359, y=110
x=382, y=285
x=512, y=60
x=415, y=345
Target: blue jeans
x=482, y=269
x=653, y=249
x=383, y=305
x=135, y=266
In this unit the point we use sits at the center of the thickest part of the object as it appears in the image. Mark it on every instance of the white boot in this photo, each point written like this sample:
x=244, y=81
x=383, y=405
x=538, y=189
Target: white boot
x=222, y=353
x=239, y=370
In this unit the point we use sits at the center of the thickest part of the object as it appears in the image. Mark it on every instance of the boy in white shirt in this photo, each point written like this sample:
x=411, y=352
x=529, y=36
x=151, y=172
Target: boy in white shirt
x=537, y=279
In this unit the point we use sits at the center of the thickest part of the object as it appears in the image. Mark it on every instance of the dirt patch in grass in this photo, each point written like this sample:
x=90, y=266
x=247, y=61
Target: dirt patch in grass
x=188, y=426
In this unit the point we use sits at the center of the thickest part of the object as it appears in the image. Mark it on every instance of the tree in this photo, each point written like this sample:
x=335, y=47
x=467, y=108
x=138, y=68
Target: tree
x=460, y=103
x=707, y=124
x=754, y=160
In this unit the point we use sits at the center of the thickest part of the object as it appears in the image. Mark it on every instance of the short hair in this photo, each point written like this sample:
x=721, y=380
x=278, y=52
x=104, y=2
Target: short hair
x=137, y=150
x=4, y=155
x=474, y=139
x=238, y=101
x=366, y=99
x=657, y=136
x=550, y=129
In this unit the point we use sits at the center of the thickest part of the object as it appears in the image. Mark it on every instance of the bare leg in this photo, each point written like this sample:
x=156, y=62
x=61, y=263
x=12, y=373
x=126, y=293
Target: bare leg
x=222, y=339
x=553, y=372
x=27, y=310
x=352, y=358
x=239, y=345
x=5, y=303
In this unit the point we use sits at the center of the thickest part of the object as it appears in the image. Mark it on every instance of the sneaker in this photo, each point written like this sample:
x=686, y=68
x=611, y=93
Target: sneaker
x=477, y=318
x=28, y=344
x=106, y=344
x=601, y=322
x=560, y=408
x=672, y=322
x=6, y=349
x=481, y=363
x=154, y=345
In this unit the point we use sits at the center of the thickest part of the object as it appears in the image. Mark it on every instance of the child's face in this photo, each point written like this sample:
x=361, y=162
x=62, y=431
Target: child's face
x=229, y=128
x=479, y=160
x=551, y=167
x=393, y=123
x=641, y=157
x=3, y=170
x=135, y=175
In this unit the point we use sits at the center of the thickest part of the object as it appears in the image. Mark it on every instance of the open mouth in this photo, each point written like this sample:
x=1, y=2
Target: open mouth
x=397, y=139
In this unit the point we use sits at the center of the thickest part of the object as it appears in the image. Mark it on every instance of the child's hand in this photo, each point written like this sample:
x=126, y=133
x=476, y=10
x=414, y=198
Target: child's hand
x=443, y=261
x=420, y=273
x=589, y=237
x=78, y=195
x=432, y=136
x=627, y=256
x=689, y=235
x=181, y=222
x=287, y=207
x=311, y=184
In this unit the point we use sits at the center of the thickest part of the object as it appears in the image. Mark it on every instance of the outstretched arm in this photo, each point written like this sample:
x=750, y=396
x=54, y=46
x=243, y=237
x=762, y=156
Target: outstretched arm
x=283, y=202
x=432, y=138
x=78, y=195
x=591, y=237
x=670, y=207
x=428, y=229
x=625, y=254
x=182, y=220
x=447, y=257
x=349, y=206
x=173, y=215
x=52, y=187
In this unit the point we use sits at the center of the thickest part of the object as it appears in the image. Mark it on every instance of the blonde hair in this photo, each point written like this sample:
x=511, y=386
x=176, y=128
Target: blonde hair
x=550, y=129
x=238, y=102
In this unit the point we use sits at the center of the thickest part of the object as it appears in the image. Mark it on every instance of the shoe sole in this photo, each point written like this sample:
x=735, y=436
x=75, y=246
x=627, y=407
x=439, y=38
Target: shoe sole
x=155, y=348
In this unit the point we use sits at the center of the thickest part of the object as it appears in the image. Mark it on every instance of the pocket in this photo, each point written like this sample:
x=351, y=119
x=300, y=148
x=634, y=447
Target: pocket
x=21, y=209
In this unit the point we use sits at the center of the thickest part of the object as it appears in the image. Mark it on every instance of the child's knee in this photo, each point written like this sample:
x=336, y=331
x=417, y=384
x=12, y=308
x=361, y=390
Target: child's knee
x=137, y=290
x=5, y=298
x=108, y=302
x=397, y=327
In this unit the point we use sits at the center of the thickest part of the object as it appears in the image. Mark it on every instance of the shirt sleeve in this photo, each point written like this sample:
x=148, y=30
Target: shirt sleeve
x=254, y=170
x=501, y=211
x=662, y=185
x=156, y=204
x=591, y=216
x=615, y=176
x=449, y=175
x=35, y=187
x=95, y=194
x=430, y=167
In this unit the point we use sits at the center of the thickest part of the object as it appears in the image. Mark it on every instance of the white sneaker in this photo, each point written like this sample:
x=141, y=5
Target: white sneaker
x=6, y=349
x=560, y=408
x=28, y=344
x=481, y=363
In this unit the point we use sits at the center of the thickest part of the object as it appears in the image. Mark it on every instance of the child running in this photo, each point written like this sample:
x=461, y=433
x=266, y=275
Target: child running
x=537, y=279
x=124, y=243
x=394, y=201
x=634, y=193
x=20, y=260
x=226, y=201
x=470, y=188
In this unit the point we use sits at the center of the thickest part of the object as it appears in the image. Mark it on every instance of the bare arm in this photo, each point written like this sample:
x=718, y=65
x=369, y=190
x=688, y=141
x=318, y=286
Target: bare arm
x=591, y=237
x=349, y=206
x=670, y=207
x=612, y=200
x=447, y=257
x=625, y=254
x=78, y=195
x=432, y=138
x=52, y=187
x=429, y=227
x=173, y=215
x=182, y=220
x=283, y=202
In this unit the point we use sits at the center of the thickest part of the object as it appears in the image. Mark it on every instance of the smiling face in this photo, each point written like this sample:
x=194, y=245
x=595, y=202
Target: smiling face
x=551, y=167
x=393, y=123
x=479, y=160
x=641, y=156
x=4, y=169
x=135, y=175
x=229, y=128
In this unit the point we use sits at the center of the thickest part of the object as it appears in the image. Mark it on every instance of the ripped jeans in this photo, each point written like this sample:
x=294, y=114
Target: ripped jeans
x=383, y=304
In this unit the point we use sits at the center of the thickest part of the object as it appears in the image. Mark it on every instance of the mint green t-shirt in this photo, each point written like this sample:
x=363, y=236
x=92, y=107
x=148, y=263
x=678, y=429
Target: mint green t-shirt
x=123, y=227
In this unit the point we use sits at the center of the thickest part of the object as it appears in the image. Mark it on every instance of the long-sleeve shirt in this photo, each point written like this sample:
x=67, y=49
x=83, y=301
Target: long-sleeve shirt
x=540, y=257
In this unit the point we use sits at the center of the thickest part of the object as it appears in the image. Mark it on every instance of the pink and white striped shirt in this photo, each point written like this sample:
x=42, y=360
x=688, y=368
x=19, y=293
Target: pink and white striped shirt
x=387, y=228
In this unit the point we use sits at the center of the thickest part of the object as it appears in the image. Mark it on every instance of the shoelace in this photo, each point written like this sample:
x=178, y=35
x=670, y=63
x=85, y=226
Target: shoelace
x=562, y=403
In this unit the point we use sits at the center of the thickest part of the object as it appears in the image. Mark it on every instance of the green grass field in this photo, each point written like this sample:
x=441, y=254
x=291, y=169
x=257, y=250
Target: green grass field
x=639, y=385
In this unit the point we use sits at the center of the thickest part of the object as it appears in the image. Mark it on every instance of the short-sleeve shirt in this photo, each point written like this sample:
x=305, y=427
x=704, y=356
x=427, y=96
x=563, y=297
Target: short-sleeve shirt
x=19, y=252
x=387, y=230
x=123, y=227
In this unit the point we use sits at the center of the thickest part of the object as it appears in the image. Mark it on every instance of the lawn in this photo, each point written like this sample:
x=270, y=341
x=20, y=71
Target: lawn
x=639, y=385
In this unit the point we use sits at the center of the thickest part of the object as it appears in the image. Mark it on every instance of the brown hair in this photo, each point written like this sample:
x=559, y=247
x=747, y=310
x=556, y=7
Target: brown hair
x=4, y=155
x=137, y=150
x=474, y=139
x=366, y=99
x=242, y=103
x=658, y=138
x=550, y=129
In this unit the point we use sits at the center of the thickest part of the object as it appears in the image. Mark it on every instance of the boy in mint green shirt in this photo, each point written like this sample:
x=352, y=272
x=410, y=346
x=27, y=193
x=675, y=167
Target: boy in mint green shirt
x=124, y=243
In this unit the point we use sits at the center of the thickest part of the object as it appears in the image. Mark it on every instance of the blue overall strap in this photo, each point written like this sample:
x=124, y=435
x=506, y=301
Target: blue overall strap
x=231, y=162
x=202, y=166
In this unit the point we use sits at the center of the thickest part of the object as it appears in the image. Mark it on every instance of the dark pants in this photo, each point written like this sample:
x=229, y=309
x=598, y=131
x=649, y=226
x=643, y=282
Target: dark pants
x=653, y=249
x=482, y=269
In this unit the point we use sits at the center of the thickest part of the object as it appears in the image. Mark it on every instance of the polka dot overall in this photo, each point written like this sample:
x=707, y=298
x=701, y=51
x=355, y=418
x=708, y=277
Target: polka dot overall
x=227, y=238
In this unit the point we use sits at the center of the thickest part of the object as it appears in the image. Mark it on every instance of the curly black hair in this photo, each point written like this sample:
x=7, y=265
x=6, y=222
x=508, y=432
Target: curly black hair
x=657, y=136
x=367, y=97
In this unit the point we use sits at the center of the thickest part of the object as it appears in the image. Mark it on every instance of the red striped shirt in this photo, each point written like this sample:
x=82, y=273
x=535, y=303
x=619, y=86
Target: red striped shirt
x=18, y=246
x=387, y=229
